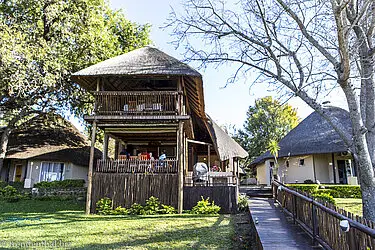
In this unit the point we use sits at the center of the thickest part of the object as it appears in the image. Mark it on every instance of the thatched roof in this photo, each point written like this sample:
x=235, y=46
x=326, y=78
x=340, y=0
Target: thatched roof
x=224, y=145
x=314, y=135
x=49, y=137
x=144, y=61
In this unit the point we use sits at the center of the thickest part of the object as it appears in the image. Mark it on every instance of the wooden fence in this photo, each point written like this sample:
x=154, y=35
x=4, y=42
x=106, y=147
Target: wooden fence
x=322, y=220
x=126, y=189
x=224, y=196
x=136, y=166
x=134, y=103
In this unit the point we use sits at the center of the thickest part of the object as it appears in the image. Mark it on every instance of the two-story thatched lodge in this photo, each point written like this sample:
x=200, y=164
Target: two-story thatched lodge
x=152, y=105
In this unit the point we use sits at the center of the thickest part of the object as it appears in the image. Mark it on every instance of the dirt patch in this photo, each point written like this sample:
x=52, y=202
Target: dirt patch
x=244, y=232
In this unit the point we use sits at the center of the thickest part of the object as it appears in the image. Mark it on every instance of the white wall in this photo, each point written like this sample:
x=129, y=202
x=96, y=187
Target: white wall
x=323, y=169
x=296, y=173
x=71, y=171
x=262, y=174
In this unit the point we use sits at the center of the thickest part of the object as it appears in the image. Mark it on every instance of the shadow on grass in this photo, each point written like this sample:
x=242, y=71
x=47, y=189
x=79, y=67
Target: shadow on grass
x=200, y=237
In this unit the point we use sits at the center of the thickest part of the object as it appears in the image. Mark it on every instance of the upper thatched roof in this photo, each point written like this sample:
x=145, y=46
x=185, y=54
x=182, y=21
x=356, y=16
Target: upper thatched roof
x=314, y=135
x=143, y=61
x=224, y=145
x=146, y=62
x=49, y=137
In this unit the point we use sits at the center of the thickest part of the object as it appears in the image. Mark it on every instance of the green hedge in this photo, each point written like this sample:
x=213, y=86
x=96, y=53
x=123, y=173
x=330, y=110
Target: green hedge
x=345, y=191
x=61, y=184
x=308, y=188
x=325, y=197
x=336, y=191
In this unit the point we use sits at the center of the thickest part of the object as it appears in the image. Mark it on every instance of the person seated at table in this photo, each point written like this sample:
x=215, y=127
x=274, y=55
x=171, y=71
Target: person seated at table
x=124, y=153
x=163, y=156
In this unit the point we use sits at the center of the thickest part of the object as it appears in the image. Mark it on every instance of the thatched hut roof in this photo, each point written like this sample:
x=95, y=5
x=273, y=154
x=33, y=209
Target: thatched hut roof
x=224, y=144
x=49, y=137
x=146, y=62
x=314, y=135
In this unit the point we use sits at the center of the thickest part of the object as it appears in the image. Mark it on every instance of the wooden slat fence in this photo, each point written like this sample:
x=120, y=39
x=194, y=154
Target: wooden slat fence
x=126, y=189
x=322, y=220
x=136, y=103
x=224, y=196
x=137, y=166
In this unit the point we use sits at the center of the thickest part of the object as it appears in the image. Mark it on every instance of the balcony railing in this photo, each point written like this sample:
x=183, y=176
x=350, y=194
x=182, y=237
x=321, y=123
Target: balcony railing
x=137, y=103
x=137, y=166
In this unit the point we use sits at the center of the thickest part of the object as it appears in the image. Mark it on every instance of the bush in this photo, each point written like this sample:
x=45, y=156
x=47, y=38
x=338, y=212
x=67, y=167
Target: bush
x=325, y=197
x=136, y=209
x=308, y=188
x=346, y=191
x=61, y=184
x=120, y=211
x=10, y=194
x=165, y=209
x=331, y=192
x=205, y=207
x=152, y=206
x=104, y=206
x=242, y=203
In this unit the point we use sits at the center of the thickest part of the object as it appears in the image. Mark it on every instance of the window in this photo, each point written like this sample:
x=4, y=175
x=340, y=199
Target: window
x=301, y=162
x=52, y=171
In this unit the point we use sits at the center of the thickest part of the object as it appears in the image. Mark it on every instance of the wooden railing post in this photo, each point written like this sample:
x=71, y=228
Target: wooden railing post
x=314, y=221
x=294, y=208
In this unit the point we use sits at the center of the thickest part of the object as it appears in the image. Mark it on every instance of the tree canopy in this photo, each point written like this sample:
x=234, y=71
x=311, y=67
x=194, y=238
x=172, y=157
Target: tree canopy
x=307, y=48
x=42, y=42
x=267, y=121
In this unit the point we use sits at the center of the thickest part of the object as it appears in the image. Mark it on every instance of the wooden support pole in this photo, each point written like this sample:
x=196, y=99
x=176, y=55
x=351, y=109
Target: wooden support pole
x=186, y=155
x=117, y=152
x=91, y=167
x=105, y=146
x=180, y=160
x=209, y=157
x=334, y=168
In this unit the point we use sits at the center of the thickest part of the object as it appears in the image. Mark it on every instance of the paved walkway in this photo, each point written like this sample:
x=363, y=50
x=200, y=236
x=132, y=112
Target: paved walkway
x=275, y=230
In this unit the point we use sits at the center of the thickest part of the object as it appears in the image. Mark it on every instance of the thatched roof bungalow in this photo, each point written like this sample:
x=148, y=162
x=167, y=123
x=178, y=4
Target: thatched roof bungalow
x=312, y=151
x=46, y=148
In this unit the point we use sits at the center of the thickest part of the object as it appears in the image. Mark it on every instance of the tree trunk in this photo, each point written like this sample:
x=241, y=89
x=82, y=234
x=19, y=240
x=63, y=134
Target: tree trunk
x=362, y=154
x=3, y=145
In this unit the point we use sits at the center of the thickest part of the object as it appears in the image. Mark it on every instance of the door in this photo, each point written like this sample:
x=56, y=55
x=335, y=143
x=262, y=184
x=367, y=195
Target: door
x=343, y=179
x=18, y=174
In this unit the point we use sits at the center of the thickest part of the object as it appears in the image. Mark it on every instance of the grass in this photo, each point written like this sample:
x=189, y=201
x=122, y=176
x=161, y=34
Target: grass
x=64, y=224
x=350, y=204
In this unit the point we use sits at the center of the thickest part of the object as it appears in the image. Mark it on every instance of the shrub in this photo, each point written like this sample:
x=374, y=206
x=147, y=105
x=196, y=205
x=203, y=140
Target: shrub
x=61, y=184
x=308, y=188
x=242, y=203
x=120, y=211
x=104, y=206
x=165, y=209
x=152, y=206
x=10, y=194
x=331, y=192
x=325, y=197
x=136, y=209
x=205, y=207
x=346, y=191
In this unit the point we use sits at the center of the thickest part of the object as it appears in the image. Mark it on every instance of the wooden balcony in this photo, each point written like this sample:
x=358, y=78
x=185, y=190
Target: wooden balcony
x=137, y=103
x=137, y=166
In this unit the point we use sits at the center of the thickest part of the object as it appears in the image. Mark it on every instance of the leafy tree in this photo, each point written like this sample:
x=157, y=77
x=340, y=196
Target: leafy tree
x=306, y=47
x=42, y=42
x=266, y=121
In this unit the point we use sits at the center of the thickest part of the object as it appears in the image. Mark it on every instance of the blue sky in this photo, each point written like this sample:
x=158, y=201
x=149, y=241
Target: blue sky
x=225, y=105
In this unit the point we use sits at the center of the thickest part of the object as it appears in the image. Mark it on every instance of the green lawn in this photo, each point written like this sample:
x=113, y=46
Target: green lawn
x=350, y=204
x=57, y=222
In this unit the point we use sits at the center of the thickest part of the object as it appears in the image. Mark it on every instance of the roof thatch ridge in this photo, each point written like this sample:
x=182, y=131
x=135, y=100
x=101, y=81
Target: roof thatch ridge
x=225, y=145
x=143, y=61
x=314, y=135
